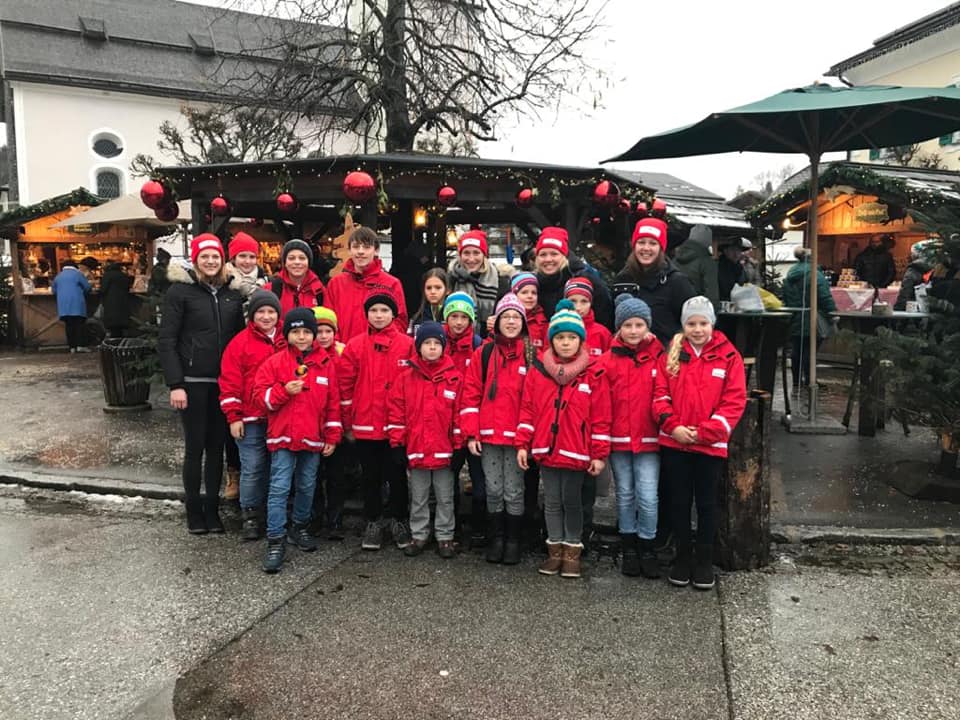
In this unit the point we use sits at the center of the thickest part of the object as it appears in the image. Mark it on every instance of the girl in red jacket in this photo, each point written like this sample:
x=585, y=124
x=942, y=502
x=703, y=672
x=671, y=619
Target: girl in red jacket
x=248, y=422
x=699, y=396
x=298, y=389
x=296, y=284
x=368, y=368
x=527, y=289
x=488, y=420
x=422, y=421
x=579, y=291
x=565, y=426
x=630, y=367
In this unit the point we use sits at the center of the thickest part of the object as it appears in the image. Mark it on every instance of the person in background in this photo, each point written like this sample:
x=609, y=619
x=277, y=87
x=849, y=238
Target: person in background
x=158, y=276
x=115, y=299
x=471, y=272
x=796, y=294
x=751, y=270
x=436, y=287
x=729, y=269
x=71, y=287
x=913, y=275
x=694, y=258
x=244, y=251
x=875, y=264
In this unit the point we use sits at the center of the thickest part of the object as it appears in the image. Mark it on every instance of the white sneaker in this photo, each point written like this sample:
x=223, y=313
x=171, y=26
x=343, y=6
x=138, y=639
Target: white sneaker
x=84, y=350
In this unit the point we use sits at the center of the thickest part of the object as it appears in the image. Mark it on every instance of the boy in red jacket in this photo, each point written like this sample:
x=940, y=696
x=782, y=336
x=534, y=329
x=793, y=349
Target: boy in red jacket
x=296, y=284
x=241, y=360
x=362, y=275
x=565, y=426
x=699, y=396
x=298, y=388
x=579, y=291
x=422, y=417
x=369, y=367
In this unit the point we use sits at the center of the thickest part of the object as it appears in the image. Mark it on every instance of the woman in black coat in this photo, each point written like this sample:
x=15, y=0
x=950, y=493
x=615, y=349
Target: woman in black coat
x=201, y=314
x=554, y=266
x=115, y=299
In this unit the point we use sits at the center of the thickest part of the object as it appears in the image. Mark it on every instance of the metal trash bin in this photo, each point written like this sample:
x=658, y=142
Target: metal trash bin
x=124, y=374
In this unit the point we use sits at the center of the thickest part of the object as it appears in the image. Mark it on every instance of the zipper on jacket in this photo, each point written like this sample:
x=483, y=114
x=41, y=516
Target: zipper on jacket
x=555, y=427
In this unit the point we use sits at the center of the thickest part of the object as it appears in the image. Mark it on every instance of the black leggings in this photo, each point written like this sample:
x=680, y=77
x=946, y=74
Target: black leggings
x=379, y=469
x=204, y=431
x=331, y=491
x=693, y=476
x=74, y=328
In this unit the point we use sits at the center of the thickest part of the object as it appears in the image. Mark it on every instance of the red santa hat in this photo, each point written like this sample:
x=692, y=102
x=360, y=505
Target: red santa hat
x=554, y=238
x=653, y=228
x=475, y=239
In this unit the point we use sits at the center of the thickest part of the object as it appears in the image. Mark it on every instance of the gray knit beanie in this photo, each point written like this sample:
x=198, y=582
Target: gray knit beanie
x=627, y=307
x=295, y=244
x=698, y=305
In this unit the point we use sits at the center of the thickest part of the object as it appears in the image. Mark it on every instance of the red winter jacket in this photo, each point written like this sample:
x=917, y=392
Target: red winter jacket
x=630, y=374
x=347, y=292
x=709, y=392
x=490, y=410
x=598, y=337
x=309, y=293
x=422, y=412
x=460, y=349
x=309, y=419
x=368, y=369
x=537, y=324
x=565, y=426
x=238, y=370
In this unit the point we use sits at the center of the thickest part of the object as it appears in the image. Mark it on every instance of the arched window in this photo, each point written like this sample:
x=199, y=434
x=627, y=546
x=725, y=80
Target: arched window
x=109, y=184
x=107, y=145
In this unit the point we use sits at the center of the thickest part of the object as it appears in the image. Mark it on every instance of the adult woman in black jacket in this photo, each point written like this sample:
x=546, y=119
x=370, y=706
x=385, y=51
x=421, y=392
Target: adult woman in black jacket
x=201, y=313
x=554, y=266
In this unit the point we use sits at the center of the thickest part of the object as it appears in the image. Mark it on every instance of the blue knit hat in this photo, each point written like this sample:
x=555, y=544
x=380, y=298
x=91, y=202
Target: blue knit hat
x=566, y=319
x=428, y=330
x=460, y=302
x=629, y=306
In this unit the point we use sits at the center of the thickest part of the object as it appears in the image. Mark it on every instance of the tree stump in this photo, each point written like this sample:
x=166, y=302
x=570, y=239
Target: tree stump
x=744, y=527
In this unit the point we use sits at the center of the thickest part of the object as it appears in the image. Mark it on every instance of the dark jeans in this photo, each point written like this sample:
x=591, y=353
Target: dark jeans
x=204, y=430
x=74, y=329
x=800, y=358
x=232, y=452
x=379, y=469
x=331, y=490
x=693, y=477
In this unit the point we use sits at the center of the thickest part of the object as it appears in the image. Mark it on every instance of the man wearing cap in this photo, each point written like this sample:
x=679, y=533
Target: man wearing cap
x=729, y=269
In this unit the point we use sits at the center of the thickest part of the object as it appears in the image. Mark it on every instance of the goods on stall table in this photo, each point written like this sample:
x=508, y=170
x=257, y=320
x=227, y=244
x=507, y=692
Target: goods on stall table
x=848, y=276
x=852, y=299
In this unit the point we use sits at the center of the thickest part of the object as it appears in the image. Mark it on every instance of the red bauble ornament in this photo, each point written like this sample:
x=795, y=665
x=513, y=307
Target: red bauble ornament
x=286, y=203
x=153, y=194
x=659, y=209
x=524, y=198
x=446, y=196
x=640, y=210
x=595, y=221
x=623, y=206
x=168, y=212
x=606, y=193
x=359, y=187
x=220, y=206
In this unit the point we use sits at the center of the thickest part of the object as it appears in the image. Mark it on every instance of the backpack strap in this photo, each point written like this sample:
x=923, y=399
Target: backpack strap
x=485, y=362
x=276, y=286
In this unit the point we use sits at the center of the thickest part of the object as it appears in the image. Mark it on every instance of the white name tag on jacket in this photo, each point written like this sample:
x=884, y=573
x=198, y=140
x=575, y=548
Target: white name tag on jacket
x=322, y=380
x=719, y=372
x=522, y=369
x=583, y=387
x=449, y=394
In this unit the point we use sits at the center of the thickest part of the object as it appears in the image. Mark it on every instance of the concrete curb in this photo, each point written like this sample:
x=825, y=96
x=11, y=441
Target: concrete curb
x=810, y=534
x=88, y=484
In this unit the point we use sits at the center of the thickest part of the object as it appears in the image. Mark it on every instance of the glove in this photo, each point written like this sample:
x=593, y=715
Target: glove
x=399, y=455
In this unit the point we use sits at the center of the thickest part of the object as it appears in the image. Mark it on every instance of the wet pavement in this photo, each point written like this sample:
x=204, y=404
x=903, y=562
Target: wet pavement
x=113, y=611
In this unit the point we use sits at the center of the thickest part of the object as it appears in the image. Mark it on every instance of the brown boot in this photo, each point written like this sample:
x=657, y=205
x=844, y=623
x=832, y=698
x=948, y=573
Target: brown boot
x=551, y=566
x=571, y=561
x=231, y=491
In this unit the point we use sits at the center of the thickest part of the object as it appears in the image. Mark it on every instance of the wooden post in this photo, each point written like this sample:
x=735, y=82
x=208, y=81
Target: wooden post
x=744, y=527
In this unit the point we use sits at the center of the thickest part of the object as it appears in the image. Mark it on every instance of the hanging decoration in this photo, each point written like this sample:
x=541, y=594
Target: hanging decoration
x=359, y=187
x=219, y=206
x=447, y=195
x=168, y=212
x=606, y=193
x=287, y=203
x=641, y=210
x=153, y=194
x=659, y=209
x=525, y=197
x=623, y=207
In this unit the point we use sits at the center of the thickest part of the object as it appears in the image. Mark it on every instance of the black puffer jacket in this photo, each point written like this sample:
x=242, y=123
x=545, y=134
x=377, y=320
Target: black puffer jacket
x=664, y=290
x=196, y=326
x=551, y=290
x=115, y=296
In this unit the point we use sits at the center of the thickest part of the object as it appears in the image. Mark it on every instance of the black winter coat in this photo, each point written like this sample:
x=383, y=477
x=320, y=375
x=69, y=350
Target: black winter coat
x=196, y=326
x=551, y=291
x=115, y=296
x=665, y=292
x=728, y=275
x=875, y=265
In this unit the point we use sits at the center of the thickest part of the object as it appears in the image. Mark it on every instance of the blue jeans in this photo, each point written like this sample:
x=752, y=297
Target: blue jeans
x=254, y=465
x=636, y=476
x=290, y=468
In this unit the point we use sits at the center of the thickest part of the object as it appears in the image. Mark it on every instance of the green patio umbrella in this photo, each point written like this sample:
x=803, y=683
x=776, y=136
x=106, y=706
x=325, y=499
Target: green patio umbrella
x=813, y=120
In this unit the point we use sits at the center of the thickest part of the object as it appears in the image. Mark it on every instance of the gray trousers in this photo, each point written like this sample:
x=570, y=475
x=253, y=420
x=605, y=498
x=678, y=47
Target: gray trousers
x=562, y=506
x=504, y=479
x=420, y=483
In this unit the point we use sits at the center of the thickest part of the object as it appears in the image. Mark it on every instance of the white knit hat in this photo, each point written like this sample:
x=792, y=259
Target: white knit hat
x=698, y=305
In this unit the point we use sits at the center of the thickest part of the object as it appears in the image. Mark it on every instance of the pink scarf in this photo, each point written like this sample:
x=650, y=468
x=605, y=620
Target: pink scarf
x=564, y=373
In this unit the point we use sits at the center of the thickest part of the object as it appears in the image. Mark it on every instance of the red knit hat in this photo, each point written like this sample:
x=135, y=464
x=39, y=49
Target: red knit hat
x=579, y=286
x=205, y=241
x=555, y=238
x=241, y=242
x=475, y=239
x=650, y=227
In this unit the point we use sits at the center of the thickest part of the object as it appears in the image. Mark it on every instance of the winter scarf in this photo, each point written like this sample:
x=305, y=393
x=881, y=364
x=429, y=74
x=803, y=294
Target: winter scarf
x=564, y=373
x=482, y=286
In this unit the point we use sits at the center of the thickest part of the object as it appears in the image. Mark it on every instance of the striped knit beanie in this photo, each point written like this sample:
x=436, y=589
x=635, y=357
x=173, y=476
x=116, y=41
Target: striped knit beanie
x=522, y=280
x=509, y=302
x=460, y=302
x=579, y=286
x=326, y=316
x=566, y=319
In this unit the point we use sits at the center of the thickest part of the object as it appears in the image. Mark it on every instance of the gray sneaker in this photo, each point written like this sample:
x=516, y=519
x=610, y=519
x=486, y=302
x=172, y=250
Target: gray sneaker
x=372, y=536
x=401, y=533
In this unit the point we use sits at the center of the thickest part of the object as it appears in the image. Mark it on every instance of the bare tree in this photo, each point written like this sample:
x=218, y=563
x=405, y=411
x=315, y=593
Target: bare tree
x=911, y=156
x=769, y=180
x=399, y=68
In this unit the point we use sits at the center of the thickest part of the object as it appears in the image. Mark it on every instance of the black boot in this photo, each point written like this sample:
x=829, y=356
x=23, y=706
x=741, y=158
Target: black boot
x=629, y=558
x=251, y=524
x=703, y=578
x=511, y=546
x=680, y=570
x=211, y=513
x=649, y=565
x=478, y=523
x=196, y=522
x=299, y=536
x=495, y=529
x=273, y=560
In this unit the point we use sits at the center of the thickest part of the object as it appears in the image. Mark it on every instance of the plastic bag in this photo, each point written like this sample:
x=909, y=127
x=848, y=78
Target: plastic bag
x=746, y=298
x=770, y=301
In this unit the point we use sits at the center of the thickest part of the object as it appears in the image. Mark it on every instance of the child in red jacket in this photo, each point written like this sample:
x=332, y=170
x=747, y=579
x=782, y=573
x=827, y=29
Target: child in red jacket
x=241, y=360
x=296, y=284
x=422, y=421
x=527, y=289
x=565, y=426
x=368, y=368
x=488, y=419
x=579, y=291
x=699, y=396
x=630, y=367
x=298, y=388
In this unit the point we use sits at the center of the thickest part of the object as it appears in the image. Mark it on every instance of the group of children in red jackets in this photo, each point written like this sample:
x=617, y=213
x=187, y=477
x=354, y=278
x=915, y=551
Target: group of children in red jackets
x=560, y=394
